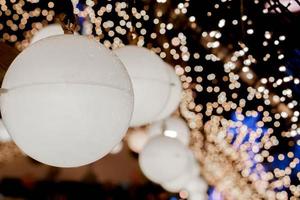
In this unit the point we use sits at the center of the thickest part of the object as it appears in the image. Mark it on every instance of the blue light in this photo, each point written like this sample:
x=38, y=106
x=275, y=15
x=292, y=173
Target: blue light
x=80, y=6
x=213, y=194
x=250, y=123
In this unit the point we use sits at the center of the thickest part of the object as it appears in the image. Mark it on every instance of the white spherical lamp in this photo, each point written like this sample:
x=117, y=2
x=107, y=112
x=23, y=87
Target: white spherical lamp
x=117, y=149
x=174, y=94
x=47, y=31
x=4, y=135
x=153, y=84
x=69, y=101
x=136, y=140
x=189, y=174
x=174, y=127
x=197, y=196
x=196, y=184
x=163, y=159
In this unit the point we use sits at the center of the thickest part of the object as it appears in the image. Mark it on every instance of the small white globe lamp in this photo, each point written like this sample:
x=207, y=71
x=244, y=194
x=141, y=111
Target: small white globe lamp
x=174, y=127
x=163, y=159
x=117, y=149
x=136, y=140
x=153, y=84
x=69, y=101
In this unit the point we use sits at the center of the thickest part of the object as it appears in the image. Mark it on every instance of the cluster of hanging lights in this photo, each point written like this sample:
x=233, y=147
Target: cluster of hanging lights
x=67, y=91
x=67, y=101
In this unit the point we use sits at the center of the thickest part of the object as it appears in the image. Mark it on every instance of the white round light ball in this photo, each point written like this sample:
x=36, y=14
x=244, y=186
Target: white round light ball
x=69, y=101
x=136, y=140
x=117, y=149
x=163, y=159
x=175, y=127
x=47, y=31
x=153, y=84
x=174, y=94
x=178, y=184
x=4, y=135
x=197, y=196
x=196, y=184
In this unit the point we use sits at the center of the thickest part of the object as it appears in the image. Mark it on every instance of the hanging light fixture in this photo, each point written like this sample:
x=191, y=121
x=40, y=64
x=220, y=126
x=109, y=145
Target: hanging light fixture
x=175, y=94
x=163, y=159
x=178, y=184
x=173, y=127
x=137, y=139
x=156, y=89
x=62, y=100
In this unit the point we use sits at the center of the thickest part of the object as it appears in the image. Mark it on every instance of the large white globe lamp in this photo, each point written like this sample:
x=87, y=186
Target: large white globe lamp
x=153, y=84
x=174, y=127
x=163, y=159
x=69, y=101
x=47, y=31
